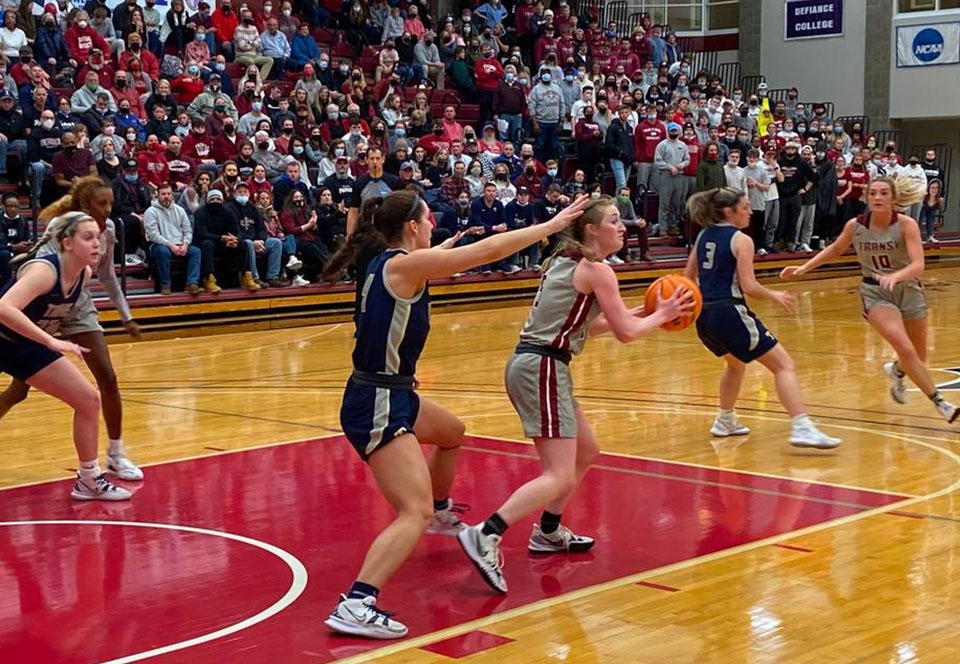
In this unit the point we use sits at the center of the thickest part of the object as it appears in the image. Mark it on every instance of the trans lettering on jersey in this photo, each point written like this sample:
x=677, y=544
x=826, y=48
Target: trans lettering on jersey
x=890, y=245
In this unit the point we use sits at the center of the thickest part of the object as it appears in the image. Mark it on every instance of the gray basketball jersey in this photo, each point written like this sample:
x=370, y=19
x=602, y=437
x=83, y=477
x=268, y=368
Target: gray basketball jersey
x=561, y=315
x=880, y=252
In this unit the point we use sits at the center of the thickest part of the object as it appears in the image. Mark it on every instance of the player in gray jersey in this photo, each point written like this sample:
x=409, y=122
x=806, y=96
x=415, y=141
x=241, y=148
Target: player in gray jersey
x=890, y=251
x=578, y=296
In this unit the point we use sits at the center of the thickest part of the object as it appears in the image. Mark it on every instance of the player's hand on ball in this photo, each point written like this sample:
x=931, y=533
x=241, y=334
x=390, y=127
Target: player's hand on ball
x=678, y=304
x=790, y=272
x=65, y=347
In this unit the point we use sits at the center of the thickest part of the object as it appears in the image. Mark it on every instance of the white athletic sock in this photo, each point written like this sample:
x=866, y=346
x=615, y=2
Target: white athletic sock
x=89, y=470
x=801, y=420
x=116, y=447
x=727, y=414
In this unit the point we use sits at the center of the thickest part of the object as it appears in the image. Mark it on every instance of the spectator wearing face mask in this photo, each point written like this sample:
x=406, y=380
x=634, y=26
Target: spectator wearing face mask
x=81, y=38
x=123, y=91
x=131, y=198
x=189, y=86
x=914, y=171
x=49, y=45
x=509, y=102
x=797, y=181
x=226, y=146
x=488, y=73
x=619, y=145
x=670, y=160
x=137, y=51
x=86, y=97
x=152, y=163
x=71, y=163
x=546, y=106
x=648, y=135
x=207, y=101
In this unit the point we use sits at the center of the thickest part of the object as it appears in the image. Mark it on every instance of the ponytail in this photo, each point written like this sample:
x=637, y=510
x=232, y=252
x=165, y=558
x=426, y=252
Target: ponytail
x=381, y=223
x=706, y=207
x=365, y=235
x=572, y=240
x=59, y=228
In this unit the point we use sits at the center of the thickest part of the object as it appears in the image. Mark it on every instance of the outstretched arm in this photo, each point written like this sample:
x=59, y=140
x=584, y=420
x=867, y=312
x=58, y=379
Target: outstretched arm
x=840, y=245
x=743, y=248
x=417, y=267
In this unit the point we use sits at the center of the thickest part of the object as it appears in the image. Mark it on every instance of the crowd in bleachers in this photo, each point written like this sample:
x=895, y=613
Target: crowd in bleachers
x=239, y=137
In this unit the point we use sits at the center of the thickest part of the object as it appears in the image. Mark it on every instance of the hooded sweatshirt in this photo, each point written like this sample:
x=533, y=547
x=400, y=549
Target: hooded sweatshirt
x=167, y=225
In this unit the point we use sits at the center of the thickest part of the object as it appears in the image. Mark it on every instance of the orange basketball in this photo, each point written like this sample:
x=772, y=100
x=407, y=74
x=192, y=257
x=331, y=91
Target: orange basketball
x=664, y=287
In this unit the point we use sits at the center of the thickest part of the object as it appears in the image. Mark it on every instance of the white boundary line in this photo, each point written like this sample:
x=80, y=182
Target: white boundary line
x=297, y=584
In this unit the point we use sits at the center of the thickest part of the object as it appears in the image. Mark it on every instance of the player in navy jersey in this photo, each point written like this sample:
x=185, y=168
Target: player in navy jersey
x=722, y=260
x=890, y=252
x=382, y=416
x=32, y=307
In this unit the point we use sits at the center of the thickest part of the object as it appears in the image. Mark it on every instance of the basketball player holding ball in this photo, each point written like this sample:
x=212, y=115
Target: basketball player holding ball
x=890, y=251
x=722, y=260
x=578, y=295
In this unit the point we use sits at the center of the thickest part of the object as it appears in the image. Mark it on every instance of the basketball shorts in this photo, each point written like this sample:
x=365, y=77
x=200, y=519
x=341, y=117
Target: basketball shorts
x=541, y=390
x=734, y=329
x=906, y=297
x=373, y=416
x=82, y=318
x=23, y=359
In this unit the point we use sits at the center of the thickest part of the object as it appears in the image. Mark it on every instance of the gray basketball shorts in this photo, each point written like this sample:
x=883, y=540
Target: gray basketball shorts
x=82, y=318
x=907, y=297
x=541, y=390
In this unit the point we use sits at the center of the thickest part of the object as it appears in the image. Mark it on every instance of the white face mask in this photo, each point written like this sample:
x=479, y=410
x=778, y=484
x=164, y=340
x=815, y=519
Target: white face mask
x=47, y=124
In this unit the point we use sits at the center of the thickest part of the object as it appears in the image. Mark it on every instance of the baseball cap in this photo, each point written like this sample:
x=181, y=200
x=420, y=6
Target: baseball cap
x=130, y=163
x=6, y=94
x=407, y=165
x=490, y=125
x=344, y=157
x=522, y=190
x=674, y=126
x=214, y=194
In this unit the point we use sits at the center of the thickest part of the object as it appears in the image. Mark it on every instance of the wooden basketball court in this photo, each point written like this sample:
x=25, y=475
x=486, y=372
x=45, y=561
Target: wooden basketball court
x=722, y=551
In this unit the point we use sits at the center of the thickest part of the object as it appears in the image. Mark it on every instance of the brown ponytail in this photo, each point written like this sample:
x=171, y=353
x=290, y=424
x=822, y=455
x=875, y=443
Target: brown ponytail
x=573, y=237
x=380, y=224
x=706, y=207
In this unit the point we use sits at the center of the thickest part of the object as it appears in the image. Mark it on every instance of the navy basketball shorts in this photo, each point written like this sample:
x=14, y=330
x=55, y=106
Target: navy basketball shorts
x=23, y=359
x=373, y=416
x=734, y=330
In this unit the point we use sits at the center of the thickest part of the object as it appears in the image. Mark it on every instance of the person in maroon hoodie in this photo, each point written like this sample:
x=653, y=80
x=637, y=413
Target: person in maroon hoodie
x=226, y=146
x=198, y=146
x=693, y=148
x=589, y=138
x=626, y=58
x=488, y=74
x=181, y=168
x=509, y=103
x=646, y=138
x=152, y=163
x=530, y=180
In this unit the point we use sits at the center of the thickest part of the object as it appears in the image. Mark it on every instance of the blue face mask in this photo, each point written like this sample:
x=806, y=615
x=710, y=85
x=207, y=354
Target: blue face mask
x=552, y=172
x=545, y=78
x=131, y=178
x=297, y=150
x=509, y=76
x=241, y=199
x=256, y=105
x=220, y=66
x=401, y=132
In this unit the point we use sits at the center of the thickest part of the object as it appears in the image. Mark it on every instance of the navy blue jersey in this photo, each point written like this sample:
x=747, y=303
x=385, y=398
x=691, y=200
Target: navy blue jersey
x=391, y=331
x=717, y=263
x=47, y=310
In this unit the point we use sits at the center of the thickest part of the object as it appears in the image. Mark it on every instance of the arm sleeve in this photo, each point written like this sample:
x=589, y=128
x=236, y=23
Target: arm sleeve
x=108, y=276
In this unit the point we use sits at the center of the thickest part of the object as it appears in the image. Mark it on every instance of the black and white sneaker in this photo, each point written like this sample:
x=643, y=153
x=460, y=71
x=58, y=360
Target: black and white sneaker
x=484, y=552
x=98, y=489
x=562, y=540
x=898, y=387
x=361, y=617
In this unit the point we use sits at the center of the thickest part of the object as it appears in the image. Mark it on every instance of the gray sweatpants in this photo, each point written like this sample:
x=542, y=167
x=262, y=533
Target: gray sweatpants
x=671, y=190
x=805, y=225
x=771, y=221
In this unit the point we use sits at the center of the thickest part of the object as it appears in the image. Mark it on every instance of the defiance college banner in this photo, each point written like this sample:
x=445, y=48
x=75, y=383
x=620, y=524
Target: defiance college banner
x=808, y=19
x=928, y=45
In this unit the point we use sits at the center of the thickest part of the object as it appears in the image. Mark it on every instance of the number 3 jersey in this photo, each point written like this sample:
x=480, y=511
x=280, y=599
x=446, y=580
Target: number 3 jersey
x=880, y=252
x=717, y=263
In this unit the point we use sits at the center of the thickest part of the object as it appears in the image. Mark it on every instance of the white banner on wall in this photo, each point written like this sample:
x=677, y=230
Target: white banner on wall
x=928, y=45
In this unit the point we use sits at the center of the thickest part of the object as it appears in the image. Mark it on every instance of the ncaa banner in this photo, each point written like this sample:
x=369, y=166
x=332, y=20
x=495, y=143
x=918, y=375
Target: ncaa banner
x=928, y=45
x=809, y=19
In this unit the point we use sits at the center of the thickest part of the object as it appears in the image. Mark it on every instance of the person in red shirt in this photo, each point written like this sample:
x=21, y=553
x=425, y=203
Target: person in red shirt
x=136, y=51
x=589, y=137
x=626, y=58
x=97, y=64
x=225, y=20
x=434, y=141
x=545, y=44
x=197, y=145
x=152, y=163
x=488, y=74
x=226, y=146
x=123, y=88
x=693, y=149
x=530, y=180
x=187, y=87
x=646, y=138
x=566, y=47
x=81, y=38
x=859, y=178
x=181, y=168
x=451, y=128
